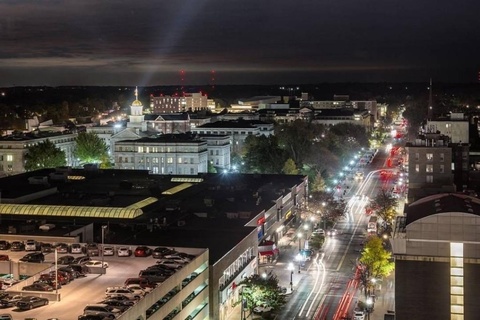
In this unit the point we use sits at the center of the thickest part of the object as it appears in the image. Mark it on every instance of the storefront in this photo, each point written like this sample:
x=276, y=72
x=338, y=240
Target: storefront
x=267, y=251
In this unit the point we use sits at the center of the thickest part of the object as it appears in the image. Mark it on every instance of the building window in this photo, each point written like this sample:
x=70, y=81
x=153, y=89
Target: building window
x=9, y=157
x=417, y=156
x=442, y=157
x=429, y=168
x=169, y=160
x=429, y=156
x=417, y=168
x=464, y=155
x=179, y=160
x=140, y=149
x=442, y=168
x=429, y=179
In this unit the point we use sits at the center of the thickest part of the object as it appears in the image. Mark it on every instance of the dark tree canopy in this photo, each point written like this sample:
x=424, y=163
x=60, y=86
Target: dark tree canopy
x=44, y=155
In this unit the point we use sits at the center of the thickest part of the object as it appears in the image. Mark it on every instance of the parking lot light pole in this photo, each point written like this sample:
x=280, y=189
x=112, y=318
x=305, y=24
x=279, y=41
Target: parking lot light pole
x=299, y=235
x=56, y=274
x=103, y=243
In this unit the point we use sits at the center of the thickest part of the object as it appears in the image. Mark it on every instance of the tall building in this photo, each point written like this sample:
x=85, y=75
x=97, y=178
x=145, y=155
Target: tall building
x=173, y=104
x=437, y=259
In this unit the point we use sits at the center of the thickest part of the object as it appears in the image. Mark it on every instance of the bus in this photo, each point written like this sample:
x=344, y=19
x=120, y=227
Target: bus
x=372, y=224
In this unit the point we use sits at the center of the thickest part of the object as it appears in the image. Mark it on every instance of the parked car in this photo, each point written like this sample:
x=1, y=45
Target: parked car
x=67, y=269
x=168, y=270
x=91, y=317
x=62, y=280
x=122, y=291
x=124, y=252
x=142, y=251
x=101, y=309
x=4, y=245
x=154, y=275
x=159, y=252
x=81, y=269
x=4, y=257
x=96, y=263
x=108, y=251
x=33, y=257
x=81, y=260
x=139, y=289
x=6, y=316
x=31, y=302
x=262, y=308
x=31, y=245
x=8, y=302
x=171, y=263
x=358, y=314
x=37, y=287
x=17, y=246
x=65, y=259
x=46, y=247
x=50, y=282
x=118, y=304
x=142, y=282
x=92, y=249
x=62, y=248
x=76, y=248
x=46, y=227
x=69, y=277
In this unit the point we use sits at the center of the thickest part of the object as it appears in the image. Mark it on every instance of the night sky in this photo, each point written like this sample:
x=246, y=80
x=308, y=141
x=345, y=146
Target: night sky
x=147, y=42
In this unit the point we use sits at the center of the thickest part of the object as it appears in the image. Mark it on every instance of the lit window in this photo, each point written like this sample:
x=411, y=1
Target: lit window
x=169, y=160
x=9, y=157
x=140, y=149
x=429, y=179
x=417, y=168
x=429, y=156
x=429, y=168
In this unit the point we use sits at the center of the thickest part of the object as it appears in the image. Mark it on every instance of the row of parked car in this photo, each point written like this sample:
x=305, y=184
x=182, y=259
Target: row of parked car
x=21, y=302
x=119, y=298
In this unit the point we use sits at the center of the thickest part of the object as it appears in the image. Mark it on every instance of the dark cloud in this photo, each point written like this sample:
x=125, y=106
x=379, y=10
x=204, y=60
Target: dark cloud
x=112, y=42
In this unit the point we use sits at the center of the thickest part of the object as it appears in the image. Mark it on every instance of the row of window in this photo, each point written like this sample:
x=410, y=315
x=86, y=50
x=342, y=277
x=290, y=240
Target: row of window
x=156, y=160
x=429, y=168
x=141, y=149
x=429, y=157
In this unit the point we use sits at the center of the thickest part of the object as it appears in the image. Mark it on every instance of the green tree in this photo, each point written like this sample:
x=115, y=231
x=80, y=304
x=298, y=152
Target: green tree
x=90, y=148
x=263, y=155
x=317, y=184
x=316, y=241
x=289, y=167
x=375, y=262
x=384, y=205
x=211, y=167
x=44, y=155
x=258, y=290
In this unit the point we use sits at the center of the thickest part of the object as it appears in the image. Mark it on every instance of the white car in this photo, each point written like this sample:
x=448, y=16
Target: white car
x=170, y=263
x=108, y=251
x=122, y=291
x=138, y=289
x=262, y=308
x=124, y=252
x=319, y=232
x=96, y=263
x=358, y=314
x=76, y=248
x=31, y=245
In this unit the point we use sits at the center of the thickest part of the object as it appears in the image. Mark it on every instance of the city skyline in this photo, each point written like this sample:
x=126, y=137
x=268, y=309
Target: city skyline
x=238, y=42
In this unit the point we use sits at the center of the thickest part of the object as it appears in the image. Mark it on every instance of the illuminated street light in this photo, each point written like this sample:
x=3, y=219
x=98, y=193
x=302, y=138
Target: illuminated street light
x=306, y=227
x=352, y=162
x=103, y=244
x=299, y=235
x=291, y=268
x=264, y=275
x=369, y=306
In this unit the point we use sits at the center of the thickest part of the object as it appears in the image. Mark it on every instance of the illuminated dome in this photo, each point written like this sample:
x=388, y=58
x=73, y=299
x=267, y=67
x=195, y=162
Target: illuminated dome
x=137, y=103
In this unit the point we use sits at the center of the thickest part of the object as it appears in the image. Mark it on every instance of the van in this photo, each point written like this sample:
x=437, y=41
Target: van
x=358, y=175
x=153, y=275
x=142, y=282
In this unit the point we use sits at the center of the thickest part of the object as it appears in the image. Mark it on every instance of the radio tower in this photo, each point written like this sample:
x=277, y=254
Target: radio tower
x=212, y=78
x=430, y=102
x=182, y=80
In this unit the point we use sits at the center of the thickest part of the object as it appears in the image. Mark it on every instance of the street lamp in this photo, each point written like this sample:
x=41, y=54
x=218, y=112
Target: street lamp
x=298, y=257
x=291, y=268
x=264, y=275
x=56, y=274
x=369, y=306
x=103, y=243
x=324, y=204
x=299, y=235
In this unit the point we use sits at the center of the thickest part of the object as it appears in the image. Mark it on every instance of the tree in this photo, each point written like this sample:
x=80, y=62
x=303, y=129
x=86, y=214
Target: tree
x=263, y=155
x=317, y=184
x=316, y=241
x=211, y=167
x=258, y=290
x=90, y=148
x=44, y=155
x=375, y=262
x=384, y=205
x=289, y=167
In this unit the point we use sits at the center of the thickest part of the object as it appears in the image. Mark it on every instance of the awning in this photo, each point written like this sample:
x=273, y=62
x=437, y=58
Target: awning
x=269, y=252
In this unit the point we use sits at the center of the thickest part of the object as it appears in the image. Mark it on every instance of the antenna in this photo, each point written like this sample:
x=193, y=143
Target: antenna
x=430, y=102
x=182, y=79
x=212, y=78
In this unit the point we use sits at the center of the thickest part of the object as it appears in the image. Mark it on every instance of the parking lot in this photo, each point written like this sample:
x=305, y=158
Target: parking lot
x=82, y=291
